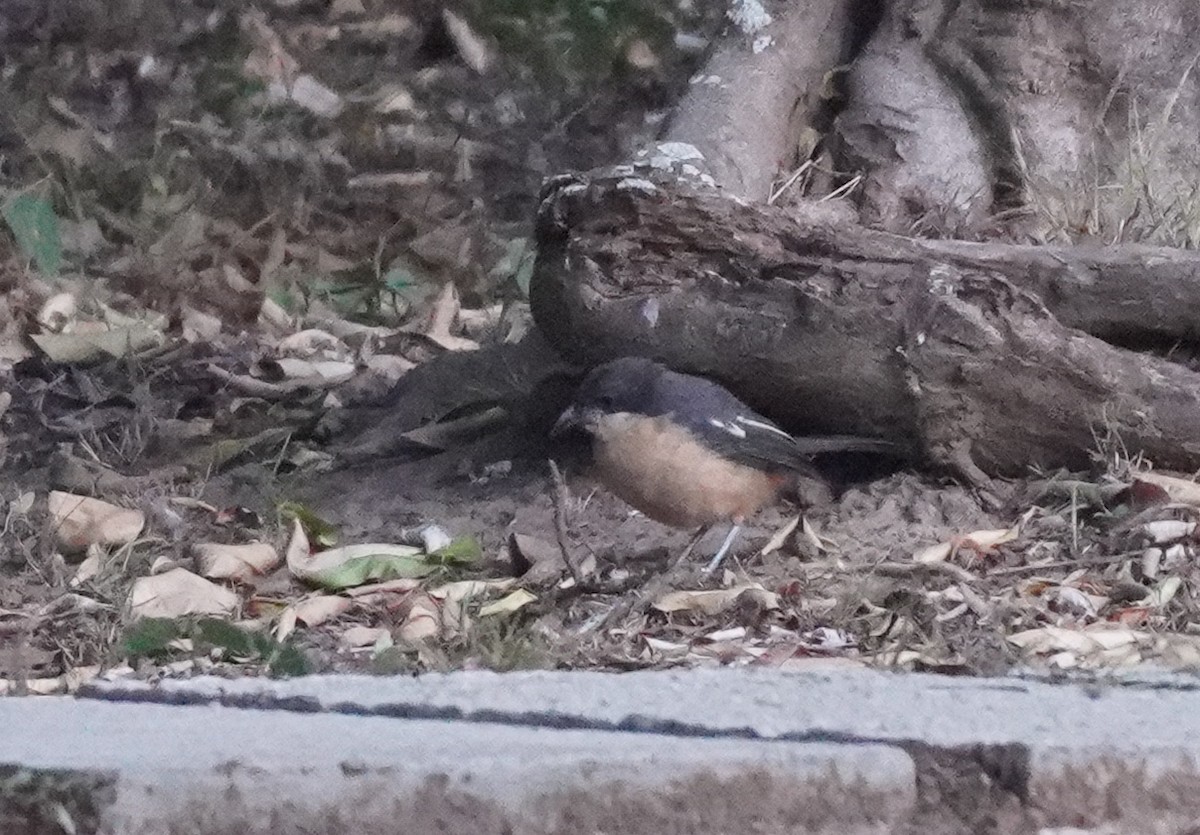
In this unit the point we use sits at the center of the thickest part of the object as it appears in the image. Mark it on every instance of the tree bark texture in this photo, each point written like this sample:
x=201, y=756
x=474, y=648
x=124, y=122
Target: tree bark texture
x=760, y=89
x=1039, y=120
x=989, y=358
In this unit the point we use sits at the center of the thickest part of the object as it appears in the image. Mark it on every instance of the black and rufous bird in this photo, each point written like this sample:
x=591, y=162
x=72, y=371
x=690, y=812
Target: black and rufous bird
x=685, y=451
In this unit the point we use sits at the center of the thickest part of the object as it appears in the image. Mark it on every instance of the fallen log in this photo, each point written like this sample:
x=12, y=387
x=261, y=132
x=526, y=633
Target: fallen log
x=989, y=358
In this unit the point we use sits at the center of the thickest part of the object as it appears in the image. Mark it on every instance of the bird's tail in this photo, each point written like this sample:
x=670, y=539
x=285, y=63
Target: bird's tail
x=818, y=444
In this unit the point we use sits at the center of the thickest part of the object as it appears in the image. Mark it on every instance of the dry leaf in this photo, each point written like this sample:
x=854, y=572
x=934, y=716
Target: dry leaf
x=162, y=564
x=1099, y=644
x=423, y=620
x=471, y=48
x=640, y=55
x=535, y=560
x=979, y=541
x=445, y=312
x=735, y=633
x=1162, y=531
x=389, y=366
x=177, y=593
x=57, y=312
x=462, y=589
x=780, y=537
x=1185, y=491
x=1074, y=602
x=386, y=29
x=372, y=592
x=311, y=611
x=268, y=60
x=90, y=567
x=659, y=645
x=199, y=326
x=508, y=604
x=1165, y=592
x=23, y=503
x=311, y=341
x=219, y=561
x=360, y=636
x=395, y=98
x=714, y=602
x=80, y=521
x=330, y=372
x=307, y=92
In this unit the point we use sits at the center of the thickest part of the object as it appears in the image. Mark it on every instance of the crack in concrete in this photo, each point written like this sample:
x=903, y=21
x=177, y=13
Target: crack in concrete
x=959, y=788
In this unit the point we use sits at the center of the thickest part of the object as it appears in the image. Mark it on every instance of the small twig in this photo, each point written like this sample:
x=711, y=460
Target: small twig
x=642, y=600
x=796, y=175
x=1032, y=568
x=1074, y=521
x=560, y=499
x=274, y=391
x=909, y=569
x=1078, y=562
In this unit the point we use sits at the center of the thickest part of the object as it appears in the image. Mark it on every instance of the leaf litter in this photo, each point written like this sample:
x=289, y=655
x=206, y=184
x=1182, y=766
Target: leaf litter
x=176, y=359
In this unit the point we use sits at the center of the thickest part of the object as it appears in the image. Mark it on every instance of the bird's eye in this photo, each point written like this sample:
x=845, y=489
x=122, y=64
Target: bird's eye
x=604, y=402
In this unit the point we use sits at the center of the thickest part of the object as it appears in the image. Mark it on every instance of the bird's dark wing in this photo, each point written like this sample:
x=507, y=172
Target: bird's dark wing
x=735, y=431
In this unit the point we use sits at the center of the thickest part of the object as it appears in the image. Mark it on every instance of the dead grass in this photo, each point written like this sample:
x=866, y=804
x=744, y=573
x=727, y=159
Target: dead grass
x=1140, y=199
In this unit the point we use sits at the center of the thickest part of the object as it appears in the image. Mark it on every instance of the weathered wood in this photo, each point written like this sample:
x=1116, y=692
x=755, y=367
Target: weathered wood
x=761, y=89
x=981, y=355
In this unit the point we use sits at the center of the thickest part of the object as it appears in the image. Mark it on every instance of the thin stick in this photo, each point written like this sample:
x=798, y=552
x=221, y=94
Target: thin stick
x=1097, y=561
x=560, y=499
x=644, y=597
x=907, y=569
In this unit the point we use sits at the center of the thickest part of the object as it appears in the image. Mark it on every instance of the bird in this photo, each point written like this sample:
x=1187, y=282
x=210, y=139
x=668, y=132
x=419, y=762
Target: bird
x=684, y=450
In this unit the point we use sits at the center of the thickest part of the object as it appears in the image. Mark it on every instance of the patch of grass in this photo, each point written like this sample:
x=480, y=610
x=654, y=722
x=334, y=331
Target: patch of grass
x=1143, y=198
x=495, y=643
x=160, y=639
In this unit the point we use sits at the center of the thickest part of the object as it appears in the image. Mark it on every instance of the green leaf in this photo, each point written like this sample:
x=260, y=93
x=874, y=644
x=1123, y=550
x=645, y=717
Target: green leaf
x=149, y=638
x=524, y=274
x=236, y=641
x=354, y=565
x=318, y=530
x=35, y=226
x=288, y=661
x=88, y=347
x=286, y=298
x=398, y=279
x=517, y=264
x=462, y=551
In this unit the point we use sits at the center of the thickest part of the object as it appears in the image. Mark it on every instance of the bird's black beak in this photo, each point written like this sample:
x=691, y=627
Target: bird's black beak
x=567, y=421
x=575, y=418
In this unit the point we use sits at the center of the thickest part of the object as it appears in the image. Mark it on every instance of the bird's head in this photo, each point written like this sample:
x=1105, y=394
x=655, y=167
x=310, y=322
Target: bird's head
x=622, y=386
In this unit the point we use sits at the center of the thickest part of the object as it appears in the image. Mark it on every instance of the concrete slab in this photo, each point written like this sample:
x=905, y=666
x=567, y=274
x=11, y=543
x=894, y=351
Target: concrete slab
x=155, y=768
x=700, y=751
x=832, y=707
x=990, y=755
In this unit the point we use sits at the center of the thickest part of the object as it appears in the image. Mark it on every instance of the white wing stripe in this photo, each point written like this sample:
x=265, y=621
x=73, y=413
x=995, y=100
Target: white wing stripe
x=758, y=424
x=735, y=431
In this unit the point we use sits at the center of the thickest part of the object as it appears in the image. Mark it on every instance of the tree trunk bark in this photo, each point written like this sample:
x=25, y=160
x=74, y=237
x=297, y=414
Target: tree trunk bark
x=989, y=358
x=760, y=89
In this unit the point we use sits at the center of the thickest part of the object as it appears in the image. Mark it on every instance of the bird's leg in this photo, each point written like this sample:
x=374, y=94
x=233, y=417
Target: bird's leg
x=723, y=550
